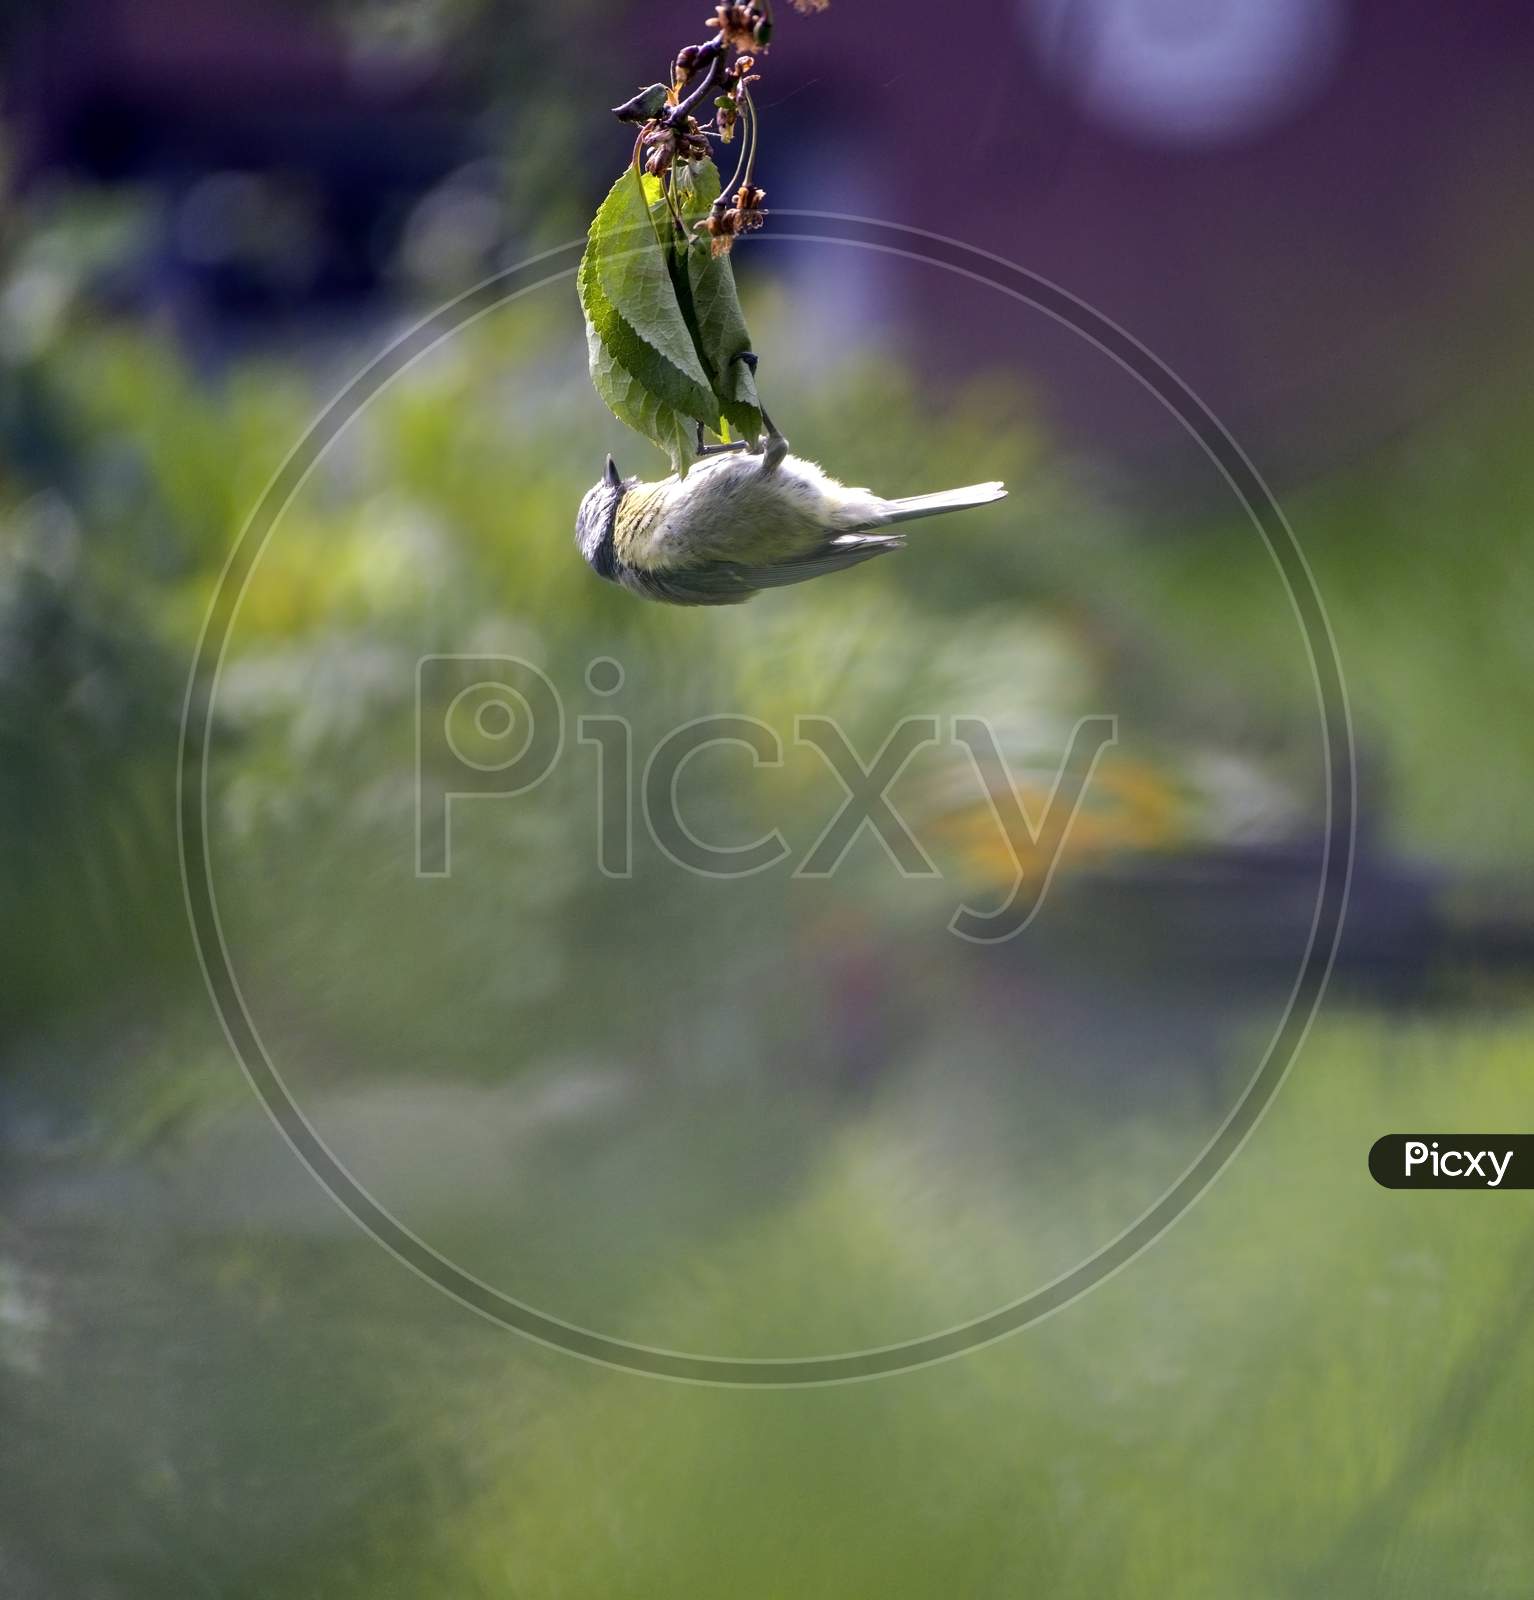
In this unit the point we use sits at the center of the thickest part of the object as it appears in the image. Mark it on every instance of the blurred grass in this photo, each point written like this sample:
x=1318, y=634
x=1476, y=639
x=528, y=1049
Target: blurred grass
x=1309, y=1386
x=1300, y=1391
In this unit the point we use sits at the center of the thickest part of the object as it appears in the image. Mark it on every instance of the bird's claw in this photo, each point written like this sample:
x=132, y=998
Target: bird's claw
x=728, y=447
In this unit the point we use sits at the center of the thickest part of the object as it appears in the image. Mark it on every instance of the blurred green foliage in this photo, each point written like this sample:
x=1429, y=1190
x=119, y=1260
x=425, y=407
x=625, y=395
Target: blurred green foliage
x=1294, y=1393
x=1307, y=1388
x=1421, y=558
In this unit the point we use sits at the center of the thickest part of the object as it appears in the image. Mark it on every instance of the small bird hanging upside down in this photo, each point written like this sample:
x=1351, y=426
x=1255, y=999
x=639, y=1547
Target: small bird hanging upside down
x=741, y=522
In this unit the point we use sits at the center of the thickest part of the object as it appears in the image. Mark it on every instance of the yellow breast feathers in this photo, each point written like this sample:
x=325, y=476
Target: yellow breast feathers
x=639, y=517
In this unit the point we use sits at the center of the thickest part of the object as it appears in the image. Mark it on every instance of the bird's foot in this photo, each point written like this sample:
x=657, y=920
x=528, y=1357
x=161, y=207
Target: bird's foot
x=775, y=447
x=728, y=447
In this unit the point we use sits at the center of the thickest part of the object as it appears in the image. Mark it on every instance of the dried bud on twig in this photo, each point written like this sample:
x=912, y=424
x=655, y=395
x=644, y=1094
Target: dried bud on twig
x=662, y=145
x=749, y=213
x=737, y=78
x=720, y=225
x=738, y=24
x=725, y=222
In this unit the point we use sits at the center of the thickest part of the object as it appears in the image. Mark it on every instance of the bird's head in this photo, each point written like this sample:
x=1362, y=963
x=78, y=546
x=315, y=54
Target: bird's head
x=597, y=518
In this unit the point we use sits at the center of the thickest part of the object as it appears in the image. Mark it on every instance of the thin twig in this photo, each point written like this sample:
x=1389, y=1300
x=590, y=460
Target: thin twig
x=750, y=105
x=668, y=185
x=676, y=116
x=638, y=171
x=747, y=143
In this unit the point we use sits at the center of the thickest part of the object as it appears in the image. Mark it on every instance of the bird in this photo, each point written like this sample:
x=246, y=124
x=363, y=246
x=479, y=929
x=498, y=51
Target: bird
x=744, y=519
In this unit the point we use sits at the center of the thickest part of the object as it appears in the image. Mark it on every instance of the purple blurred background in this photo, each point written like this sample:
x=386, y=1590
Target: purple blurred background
x=1301, y=205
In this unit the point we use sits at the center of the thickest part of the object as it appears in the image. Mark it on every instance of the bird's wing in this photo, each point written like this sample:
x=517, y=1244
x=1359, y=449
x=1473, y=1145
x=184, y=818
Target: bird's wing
x=847, y=550
x=724, y=583
x=720, y=583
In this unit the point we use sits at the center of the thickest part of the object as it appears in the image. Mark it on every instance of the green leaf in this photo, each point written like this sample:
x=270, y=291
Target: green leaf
x=640, y=388
x=632, y=270
x=646, y=104
x=642, y=358
x=663, y=321
x=638, y=407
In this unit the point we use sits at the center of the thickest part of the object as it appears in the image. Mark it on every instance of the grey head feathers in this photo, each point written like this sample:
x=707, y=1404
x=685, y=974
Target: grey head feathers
x=597, y=519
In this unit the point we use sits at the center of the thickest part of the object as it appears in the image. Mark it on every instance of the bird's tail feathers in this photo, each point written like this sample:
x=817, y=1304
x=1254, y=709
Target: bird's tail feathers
x=932, y=505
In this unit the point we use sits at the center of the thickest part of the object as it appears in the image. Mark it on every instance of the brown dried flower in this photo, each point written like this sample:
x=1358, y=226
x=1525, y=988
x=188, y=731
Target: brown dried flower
x=740, y=75
x=737, y=79
x=720, y=225
x=737, y=24
x=749, y=212
x=661, y=145
x=725, y=222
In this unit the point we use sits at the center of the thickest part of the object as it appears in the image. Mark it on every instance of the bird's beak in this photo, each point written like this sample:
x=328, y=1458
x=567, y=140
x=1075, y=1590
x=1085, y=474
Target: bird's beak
x=611, y=477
